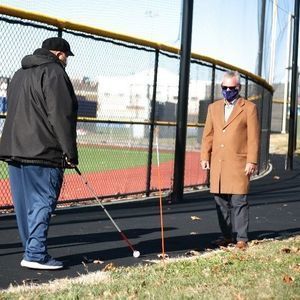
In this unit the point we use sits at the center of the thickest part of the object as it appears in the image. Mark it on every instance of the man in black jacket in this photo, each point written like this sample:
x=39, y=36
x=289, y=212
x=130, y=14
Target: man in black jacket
x=38, y=142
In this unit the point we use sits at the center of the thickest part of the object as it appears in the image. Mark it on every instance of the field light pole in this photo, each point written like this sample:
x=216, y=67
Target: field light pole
x=183, y=93
x=273, y=43
x=294, y=90
x=261, y=38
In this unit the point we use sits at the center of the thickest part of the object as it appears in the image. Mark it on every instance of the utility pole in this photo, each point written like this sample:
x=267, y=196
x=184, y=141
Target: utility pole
x=183, y=96
x=294, y=90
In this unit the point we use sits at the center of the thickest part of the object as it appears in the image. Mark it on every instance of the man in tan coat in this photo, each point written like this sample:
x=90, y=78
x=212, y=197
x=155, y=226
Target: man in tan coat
x=230, y=146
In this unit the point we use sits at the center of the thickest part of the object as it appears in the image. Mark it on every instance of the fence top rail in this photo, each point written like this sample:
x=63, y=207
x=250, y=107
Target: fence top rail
x=131, y=122
x=65, y=24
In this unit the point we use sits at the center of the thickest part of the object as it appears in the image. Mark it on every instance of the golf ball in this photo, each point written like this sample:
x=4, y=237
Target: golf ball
x=136, y=254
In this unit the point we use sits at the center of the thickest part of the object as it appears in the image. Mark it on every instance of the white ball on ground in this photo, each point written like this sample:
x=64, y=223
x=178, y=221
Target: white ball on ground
x=136, y=254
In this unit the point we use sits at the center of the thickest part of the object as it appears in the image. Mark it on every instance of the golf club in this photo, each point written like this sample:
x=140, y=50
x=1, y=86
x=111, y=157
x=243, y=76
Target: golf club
x=135, y=253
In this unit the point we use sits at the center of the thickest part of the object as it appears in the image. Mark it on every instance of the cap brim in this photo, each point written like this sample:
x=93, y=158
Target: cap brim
x=70, y=53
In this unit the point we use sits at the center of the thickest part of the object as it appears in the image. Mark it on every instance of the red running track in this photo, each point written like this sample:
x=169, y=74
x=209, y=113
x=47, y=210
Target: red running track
x=124, y=181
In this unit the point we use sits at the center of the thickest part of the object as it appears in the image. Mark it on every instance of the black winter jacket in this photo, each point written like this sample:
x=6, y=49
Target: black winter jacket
x=40, y=126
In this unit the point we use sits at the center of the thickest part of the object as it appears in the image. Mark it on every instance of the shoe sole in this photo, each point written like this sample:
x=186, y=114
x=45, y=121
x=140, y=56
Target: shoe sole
x=38, y=266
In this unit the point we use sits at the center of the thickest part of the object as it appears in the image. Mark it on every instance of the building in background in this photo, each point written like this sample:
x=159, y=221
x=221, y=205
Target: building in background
x=129, y=97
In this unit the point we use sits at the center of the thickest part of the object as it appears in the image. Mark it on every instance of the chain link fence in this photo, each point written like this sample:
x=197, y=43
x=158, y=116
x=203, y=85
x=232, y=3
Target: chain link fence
x=127, y=92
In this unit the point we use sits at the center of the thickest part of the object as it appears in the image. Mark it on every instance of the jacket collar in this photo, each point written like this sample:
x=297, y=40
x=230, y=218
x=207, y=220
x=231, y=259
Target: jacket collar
x=238, y=108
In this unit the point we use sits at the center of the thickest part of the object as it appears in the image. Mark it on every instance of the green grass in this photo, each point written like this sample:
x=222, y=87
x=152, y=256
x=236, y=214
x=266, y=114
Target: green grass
x=96, y=159
x=103, y=159
x=266, y=270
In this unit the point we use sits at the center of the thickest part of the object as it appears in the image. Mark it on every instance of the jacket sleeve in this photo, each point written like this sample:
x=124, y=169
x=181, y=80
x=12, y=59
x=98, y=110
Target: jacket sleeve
x=62, y=110
x=207, y=137
x=253, y=135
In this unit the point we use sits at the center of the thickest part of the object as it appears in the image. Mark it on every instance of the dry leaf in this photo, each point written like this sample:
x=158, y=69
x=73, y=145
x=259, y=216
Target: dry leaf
x=192, y=253
x=239, y=297
x=195, y=218
x=109, y=267
x=208, y=250
x=163, y=256
x=255, y=242
x=226, y=261
x=97, y=261
x=226, y=249
x=30, y=281
x=288, y=279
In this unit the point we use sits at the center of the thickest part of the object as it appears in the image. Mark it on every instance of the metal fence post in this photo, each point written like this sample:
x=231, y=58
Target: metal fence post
x=59, y=32
x=213, y=82
x=246, y=87
x=294, y=89
x=152, y=120
x=183, y=94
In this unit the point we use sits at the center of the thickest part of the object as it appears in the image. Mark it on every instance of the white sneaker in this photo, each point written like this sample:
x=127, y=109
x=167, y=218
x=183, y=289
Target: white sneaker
x=50, y=264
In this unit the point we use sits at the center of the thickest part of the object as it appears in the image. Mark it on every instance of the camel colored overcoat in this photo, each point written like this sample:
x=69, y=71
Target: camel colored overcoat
x=230, y=145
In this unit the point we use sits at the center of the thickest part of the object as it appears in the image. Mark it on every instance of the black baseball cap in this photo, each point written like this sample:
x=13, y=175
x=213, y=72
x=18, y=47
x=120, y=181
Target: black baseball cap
x=57, y=44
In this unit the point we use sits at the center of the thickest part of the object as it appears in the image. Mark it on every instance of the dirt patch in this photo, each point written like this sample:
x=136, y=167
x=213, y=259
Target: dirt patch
x=279, y=143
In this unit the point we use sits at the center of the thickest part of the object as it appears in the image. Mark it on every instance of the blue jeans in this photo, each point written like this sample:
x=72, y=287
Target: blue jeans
x=35, y=190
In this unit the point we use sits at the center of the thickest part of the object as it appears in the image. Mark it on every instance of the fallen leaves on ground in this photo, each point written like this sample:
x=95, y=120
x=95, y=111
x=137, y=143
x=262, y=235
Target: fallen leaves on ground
x=163, y=255
x=195, y=218
x=255, y=242
x=286, y=250
x=239, y=297
x=192, y=253
x=97, y=261
x=290, y=250
x=288, y=279
x=109, y=267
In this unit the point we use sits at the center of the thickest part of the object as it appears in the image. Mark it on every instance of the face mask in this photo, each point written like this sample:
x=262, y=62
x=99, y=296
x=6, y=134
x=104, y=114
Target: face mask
x=230, y=95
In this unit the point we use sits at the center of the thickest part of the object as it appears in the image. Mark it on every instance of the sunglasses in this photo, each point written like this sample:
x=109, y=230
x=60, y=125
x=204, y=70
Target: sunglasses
x=224, y=87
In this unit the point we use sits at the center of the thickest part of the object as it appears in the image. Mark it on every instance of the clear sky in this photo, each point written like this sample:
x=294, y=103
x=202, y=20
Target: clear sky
x=226, y=30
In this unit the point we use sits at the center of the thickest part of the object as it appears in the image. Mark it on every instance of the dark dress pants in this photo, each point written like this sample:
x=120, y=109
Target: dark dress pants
x=233, y=215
